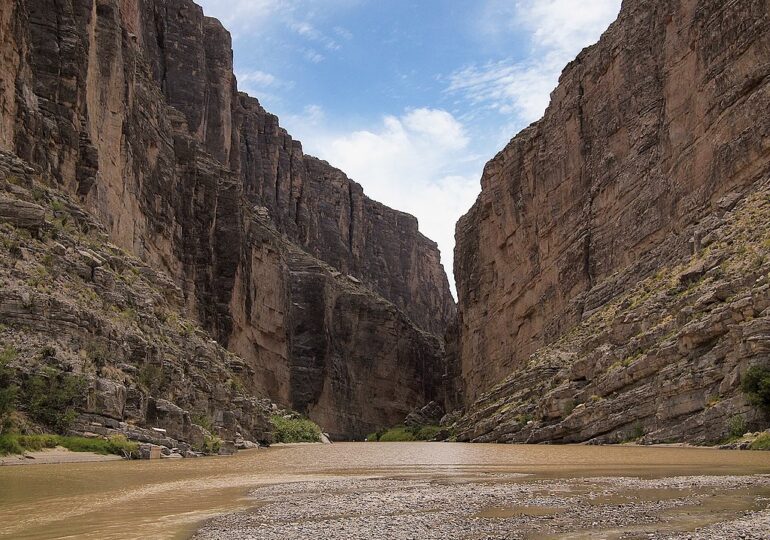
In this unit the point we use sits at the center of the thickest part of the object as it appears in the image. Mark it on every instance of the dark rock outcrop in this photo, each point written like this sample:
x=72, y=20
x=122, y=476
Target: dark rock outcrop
x=132, y=106
x=652, y=138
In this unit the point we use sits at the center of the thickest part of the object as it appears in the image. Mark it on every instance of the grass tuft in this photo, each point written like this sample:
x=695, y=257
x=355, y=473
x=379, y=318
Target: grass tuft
x=117, y=444
x=762, y=442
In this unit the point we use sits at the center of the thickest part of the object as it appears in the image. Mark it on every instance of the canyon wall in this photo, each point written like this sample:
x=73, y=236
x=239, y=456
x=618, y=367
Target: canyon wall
x=650, y=136
x=133, y=107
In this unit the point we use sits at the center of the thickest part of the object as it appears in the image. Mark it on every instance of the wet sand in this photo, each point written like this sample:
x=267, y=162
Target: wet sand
x=406, y=490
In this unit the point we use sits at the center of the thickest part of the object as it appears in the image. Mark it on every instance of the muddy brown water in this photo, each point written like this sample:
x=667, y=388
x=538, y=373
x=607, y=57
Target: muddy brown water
x=168, y=499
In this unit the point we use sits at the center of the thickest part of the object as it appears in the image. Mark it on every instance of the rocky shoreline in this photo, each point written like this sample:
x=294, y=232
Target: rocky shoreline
x=504, y=506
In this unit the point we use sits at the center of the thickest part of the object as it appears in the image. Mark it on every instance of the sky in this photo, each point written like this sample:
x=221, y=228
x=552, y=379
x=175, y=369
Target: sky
x=409, y=97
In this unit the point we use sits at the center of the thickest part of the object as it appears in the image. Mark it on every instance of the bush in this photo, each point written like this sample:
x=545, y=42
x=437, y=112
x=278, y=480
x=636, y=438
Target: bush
x=398, y=434
x=51, y=397
x=293, y=430
x=204, y=421
x=150, y=378
x=9, y=445
x=762, y=442
x=756, y=386
x=8, y=390
x=737, y=426
x=211, y=445
x=406, y=434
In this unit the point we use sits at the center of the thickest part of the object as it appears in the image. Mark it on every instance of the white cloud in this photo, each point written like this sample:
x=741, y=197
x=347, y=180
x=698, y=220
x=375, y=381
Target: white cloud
x=311, y=55
x=311, y=33
x=558, y=30
x=242, y=15
x=418, y=162
x=244, y=18
x=257, y=78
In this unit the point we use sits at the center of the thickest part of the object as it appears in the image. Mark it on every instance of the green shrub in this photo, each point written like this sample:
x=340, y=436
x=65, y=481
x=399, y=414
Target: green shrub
x=150, y=378
x=569, y=407
x=9, y=445
x=204, y=421
x=8, y=389
x=51, y=397
x=121, y=446
x=406, y=434
x=293, y=430
x=211, y=445
x=762, y=442
x=756, y=386
x=427, y=433
x=737, y=426
x=398, y=434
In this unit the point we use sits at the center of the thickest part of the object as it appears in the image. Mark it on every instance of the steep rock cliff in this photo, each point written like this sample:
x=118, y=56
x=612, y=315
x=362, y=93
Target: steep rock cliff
x=646, y=133
x=133, y=106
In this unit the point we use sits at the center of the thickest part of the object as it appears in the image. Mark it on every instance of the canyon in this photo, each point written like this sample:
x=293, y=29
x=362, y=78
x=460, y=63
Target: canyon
x=168, y=240
x=335, y=304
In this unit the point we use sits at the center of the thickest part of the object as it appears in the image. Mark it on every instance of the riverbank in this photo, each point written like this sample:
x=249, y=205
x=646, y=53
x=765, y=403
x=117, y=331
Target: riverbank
x=53, y=456
x=504, y=506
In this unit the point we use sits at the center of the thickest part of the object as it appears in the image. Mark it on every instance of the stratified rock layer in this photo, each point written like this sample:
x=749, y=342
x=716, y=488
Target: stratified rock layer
x=646, y=133
x=72, y=302
x=133, y=106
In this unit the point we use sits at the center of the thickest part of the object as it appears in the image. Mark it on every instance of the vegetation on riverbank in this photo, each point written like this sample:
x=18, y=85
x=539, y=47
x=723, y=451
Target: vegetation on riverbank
x=405, y=434
x=49, y=397
x=294, y=429
x=761, y=443
x=117, y=445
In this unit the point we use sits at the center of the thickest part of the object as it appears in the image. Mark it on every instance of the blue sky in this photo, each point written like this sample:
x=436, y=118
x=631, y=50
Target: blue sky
x=410, y=98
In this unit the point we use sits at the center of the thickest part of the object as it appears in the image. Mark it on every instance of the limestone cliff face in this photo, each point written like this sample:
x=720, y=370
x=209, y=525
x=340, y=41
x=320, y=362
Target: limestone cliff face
x=132, y=106
x=646, y=133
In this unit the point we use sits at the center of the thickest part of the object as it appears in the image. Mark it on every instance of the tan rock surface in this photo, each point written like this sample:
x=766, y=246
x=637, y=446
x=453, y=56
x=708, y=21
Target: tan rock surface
x=646, y=133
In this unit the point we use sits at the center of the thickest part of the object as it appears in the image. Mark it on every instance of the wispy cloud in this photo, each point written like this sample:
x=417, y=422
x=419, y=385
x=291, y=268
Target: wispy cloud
x=418, y=162
x=557, y=29
x=311, y=33
x=244, y=18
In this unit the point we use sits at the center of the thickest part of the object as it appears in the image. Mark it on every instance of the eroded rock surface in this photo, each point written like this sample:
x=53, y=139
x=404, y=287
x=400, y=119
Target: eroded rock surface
x=132, y=107
x=613, y=271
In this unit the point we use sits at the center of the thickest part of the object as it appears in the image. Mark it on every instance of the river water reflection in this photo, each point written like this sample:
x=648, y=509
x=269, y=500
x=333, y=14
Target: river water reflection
x=168, y=499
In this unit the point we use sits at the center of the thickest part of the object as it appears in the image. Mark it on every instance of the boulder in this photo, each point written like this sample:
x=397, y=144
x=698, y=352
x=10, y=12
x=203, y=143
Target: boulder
x=22, y=214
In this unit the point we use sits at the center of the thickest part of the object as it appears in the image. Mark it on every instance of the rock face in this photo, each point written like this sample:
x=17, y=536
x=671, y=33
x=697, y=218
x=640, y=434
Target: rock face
x=74, y=303
x=132, y=106
x=651, y=139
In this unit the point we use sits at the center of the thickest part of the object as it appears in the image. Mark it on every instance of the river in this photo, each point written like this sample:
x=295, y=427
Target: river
x=312, y=488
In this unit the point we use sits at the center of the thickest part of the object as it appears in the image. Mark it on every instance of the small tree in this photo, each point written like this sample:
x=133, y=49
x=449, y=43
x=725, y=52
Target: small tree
x=51, y=398
x=8, y=390
x=756, y=386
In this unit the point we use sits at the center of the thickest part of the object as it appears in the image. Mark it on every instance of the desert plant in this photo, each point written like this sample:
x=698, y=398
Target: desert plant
x=737, y=426
x=8, y=390
x=52, y=396
x=150, y=378
x=204, y=421
x=762, y=442
x=211, y=445
x=293, y=430
x=756, y=386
